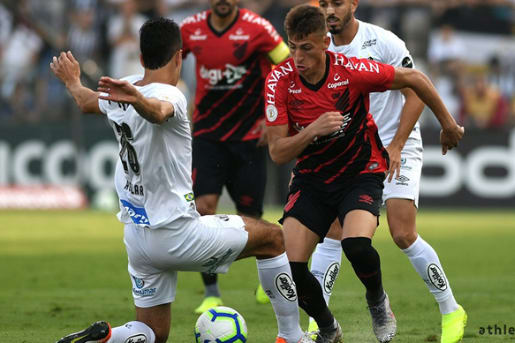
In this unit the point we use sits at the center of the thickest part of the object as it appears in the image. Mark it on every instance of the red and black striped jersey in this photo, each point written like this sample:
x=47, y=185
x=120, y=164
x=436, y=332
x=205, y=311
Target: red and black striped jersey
x=231, y=67
x=356, y=147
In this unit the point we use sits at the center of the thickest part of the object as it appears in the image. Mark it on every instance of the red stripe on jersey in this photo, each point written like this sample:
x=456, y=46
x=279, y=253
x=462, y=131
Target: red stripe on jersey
x=222, y=119
x=228, y=134
x=292, y=199
x=340, y=172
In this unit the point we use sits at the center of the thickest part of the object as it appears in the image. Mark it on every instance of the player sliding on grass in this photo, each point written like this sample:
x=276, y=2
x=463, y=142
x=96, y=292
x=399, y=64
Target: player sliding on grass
x=163, y=231
x=317, y=112
x=396, y=114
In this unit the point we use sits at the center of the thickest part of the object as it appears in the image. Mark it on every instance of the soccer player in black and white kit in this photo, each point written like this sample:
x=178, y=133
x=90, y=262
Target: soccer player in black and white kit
x=163, y=231
x=396, y=114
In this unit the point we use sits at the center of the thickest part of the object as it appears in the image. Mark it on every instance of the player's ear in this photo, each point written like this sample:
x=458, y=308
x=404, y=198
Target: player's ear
x=327, y=42
x=354, y=5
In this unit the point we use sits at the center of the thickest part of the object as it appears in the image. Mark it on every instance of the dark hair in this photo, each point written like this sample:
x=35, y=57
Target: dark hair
x=160, y=39
x=303, y=20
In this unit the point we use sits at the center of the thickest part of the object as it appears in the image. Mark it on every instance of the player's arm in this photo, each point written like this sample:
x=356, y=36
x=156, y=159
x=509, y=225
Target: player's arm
x=67, y=69
x=152, y=109
x=410, y=113
x=284, y=148
x=411, y=78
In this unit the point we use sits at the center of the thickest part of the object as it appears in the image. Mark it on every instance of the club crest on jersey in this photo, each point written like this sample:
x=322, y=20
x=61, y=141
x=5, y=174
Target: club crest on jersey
x=271, y=113
x=197, y=35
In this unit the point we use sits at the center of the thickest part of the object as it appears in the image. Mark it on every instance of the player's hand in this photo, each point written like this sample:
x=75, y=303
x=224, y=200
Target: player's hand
x=326, y=124
x=66, y=68
x=117, y=90
x=395, y=162
x=449, y=137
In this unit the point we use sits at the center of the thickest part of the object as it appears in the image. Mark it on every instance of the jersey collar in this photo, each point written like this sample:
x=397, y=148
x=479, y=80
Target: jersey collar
x=221, y=33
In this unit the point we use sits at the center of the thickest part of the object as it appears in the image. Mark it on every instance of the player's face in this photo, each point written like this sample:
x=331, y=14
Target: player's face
x=223, y=8
x=309, y=53
x=338, y=13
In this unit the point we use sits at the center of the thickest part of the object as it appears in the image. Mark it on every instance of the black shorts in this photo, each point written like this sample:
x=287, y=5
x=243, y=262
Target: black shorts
x=317, y=209
x=239, y=166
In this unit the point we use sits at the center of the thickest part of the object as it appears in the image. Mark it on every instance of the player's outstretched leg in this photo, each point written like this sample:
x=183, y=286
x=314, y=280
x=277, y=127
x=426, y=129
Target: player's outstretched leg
x=401, y=215
x=212, y=293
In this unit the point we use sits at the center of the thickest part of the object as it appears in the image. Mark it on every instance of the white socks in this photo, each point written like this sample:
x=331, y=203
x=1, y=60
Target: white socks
x=325, y=264
x=276, y=279
x=138, y=331
x=425, y=261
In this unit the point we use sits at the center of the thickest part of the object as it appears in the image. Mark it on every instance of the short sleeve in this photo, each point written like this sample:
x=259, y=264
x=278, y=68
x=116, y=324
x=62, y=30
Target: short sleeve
x=371, y=76
x=270, y=42
x=398, y=54
x=275, y=101
x=174, y=96
x=103, y=104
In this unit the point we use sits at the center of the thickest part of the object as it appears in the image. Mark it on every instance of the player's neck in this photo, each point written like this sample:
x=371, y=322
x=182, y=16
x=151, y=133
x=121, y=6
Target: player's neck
x=157, y=76
x=348, y=33
x=221, y=23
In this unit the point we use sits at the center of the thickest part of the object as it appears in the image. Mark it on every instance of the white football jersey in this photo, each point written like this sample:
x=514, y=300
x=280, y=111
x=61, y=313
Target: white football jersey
x=153, y=173
x=384, y=46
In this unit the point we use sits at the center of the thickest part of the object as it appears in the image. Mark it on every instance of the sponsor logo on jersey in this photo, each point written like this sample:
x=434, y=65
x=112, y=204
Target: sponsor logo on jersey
x=223, y=217
x=139, y=290
x=436, y=277
x=359, y=65
x=337, y=83
x=369, y=43
x=138, y=338
x=404, y=164
x=292, y=89
x=255, y=19
x=138, y=282
x=330, y=277
x=286, y=287
x=138, y=214
x=230, y=73
x=407, y=62
x=239, y=35
x=271, y=113
x=373, y=166
x=273, y=78
x=402, y=180
x=197, y=35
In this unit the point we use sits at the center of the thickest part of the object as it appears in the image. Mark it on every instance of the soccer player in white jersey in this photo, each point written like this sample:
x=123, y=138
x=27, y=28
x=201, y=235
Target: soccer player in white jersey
x=163, y=232
x=396, y=114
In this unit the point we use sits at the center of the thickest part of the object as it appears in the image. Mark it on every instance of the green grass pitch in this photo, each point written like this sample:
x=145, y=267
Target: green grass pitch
x=60, y=271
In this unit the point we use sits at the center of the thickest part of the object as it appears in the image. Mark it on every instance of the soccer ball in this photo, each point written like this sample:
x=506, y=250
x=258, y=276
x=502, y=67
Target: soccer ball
x=221, y=325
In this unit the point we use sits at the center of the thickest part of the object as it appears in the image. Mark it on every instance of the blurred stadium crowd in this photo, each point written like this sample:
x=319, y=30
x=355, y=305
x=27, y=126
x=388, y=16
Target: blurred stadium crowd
x=466, y=46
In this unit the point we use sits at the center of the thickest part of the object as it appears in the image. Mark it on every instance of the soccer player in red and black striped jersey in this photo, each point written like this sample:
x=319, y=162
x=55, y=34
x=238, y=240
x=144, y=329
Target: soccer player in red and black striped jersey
x=234, y=50
x=317, y=112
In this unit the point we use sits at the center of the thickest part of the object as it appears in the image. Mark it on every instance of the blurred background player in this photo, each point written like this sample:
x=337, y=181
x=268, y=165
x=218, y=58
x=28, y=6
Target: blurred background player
x=163, y=231
x=396, y=114
x=317, y=112
x=234, y=49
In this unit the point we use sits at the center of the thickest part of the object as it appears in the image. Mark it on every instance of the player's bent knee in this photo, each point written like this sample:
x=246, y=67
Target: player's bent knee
x=404, y=239
x=276, y=239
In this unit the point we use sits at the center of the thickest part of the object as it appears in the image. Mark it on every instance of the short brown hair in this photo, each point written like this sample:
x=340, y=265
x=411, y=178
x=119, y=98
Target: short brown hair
x=303, y=20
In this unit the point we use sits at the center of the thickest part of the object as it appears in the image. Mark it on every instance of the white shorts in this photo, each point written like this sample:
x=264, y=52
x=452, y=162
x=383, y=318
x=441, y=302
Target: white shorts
x=204, y=244
x=407, y=185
